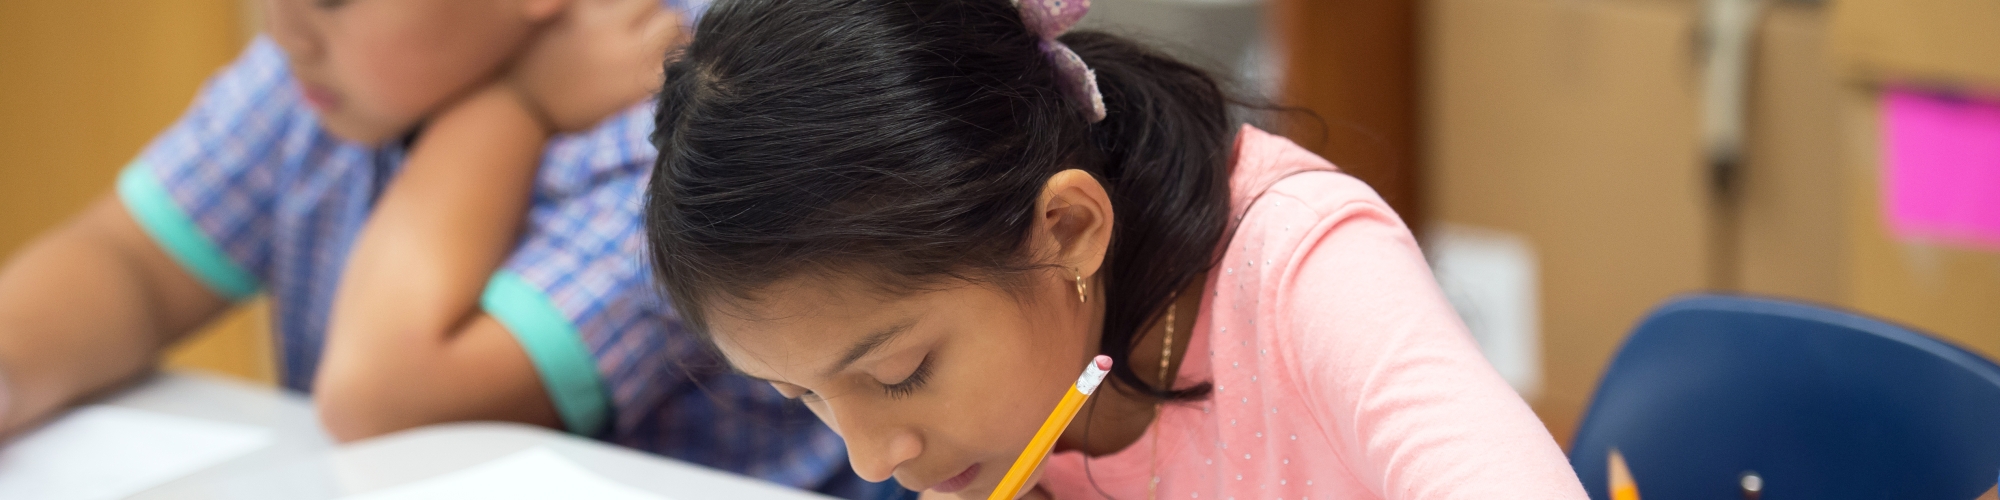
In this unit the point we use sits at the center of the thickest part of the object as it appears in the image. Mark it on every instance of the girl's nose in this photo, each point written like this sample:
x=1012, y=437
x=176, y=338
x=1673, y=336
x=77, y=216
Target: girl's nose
x=877, y=461
x=875, y=447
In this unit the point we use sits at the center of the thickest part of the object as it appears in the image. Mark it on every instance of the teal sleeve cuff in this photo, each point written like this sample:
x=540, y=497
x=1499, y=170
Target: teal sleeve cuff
x=557, y=351
x=176, y=233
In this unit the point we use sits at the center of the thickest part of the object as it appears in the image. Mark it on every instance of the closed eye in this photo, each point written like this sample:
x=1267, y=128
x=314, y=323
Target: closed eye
x=910, y=384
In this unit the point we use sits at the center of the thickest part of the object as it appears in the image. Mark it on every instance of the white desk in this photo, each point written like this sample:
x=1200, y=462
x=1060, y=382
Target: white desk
x=302, y=463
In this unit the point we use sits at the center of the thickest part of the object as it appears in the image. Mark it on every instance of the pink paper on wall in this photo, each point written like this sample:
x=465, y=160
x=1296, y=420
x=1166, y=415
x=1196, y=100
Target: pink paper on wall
x=1941, y=168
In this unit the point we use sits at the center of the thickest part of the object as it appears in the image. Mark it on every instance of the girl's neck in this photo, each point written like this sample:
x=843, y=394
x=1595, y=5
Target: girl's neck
x=1117, y=416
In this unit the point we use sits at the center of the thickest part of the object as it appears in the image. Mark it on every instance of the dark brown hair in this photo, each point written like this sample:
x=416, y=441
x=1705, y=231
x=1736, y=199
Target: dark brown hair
x=907, y=141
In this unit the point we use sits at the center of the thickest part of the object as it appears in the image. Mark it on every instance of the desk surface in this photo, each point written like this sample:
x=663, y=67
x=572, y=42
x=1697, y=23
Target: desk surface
x=302, y=463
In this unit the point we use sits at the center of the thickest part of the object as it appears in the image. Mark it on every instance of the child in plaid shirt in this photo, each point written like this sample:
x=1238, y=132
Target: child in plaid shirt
x=441, y=198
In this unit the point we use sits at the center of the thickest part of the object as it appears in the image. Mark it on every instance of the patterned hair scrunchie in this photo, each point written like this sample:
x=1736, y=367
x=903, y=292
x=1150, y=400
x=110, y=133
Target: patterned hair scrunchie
x=1050, y=19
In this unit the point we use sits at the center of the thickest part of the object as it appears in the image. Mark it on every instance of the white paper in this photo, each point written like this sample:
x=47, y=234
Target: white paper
x=108, y=452
x=1490, y=277
x=533, y=474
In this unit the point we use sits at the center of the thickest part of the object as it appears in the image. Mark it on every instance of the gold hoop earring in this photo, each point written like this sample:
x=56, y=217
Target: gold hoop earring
x=1082, y=295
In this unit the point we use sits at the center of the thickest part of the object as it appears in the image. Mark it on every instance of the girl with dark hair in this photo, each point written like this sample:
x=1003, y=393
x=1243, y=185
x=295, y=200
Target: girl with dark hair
x=922, y=217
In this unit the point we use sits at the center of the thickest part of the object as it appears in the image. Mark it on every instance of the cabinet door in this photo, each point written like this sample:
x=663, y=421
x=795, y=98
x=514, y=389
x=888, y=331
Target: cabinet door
x=1574, y=125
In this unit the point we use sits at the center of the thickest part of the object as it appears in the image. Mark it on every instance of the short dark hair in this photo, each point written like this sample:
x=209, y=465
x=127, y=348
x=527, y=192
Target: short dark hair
x=910, y=140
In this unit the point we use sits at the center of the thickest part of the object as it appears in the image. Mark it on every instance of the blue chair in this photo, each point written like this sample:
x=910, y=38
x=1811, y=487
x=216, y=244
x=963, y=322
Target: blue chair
x=1817, y=403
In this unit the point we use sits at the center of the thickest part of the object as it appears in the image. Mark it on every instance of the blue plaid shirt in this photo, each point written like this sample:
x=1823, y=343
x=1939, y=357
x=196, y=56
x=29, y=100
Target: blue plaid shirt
x=249, y=194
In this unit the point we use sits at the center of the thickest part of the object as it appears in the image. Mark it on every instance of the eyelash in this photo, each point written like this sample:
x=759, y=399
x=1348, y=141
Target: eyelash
x=910, y=385
x=331, y=4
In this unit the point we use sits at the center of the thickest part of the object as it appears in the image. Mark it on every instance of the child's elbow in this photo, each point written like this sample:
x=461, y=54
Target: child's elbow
x=351, y=410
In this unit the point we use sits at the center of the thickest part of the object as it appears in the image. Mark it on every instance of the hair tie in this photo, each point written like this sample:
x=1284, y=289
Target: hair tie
x=1050, y=19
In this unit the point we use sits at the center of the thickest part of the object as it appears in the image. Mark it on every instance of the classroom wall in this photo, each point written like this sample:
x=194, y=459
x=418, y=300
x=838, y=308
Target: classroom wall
x=1572, y=125
x=1950, y=46
x=1789, y=210
x=1354, y=64
x=1948, y=290
x=84, y=84
x=1575, y=125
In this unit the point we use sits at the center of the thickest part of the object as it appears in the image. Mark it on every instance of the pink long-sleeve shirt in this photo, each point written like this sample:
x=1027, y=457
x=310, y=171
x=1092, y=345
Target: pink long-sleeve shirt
x=1339, y=370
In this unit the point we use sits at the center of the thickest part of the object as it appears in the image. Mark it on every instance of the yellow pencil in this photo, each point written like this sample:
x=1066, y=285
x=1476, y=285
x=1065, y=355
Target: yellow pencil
x=1622, y=485
x=1045, y=439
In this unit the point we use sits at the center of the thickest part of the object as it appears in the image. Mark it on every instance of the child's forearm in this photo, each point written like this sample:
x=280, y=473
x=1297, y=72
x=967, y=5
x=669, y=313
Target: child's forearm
x=86, y=306
x=407, y=344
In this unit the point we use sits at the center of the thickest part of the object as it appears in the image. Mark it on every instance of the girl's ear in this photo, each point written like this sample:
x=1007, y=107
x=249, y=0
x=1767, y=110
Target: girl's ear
x=1073, y=222
x=538, y=11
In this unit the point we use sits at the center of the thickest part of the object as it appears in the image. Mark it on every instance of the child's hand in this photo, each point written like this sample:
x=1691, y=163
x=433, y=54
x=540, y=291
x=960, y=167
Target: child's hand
x=594, y=59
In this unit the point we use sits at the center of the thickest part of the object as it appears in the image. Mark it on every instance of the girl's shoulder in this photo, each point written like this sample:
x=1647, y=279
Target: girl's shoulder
x=1266, y=164
x=1278, y=188
x=1309, y=240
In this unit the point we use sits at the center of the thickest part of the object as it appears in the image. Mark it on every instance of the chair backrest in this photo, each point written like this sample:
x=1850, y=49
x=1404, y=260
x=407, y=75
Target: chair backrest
x=1821, y=404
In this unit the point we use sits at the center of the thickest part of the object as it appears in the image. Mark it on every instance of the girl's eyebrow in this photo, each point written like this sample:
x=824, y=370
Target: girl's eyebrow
x=867, y=345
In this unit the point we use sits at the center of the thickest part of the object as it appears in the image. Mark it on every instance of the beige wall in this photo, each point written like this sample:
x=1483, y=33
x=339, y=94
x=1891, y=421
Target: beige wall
x=1574, y=124
x=83, y=85
x=1951, y=292
x=1788, y=214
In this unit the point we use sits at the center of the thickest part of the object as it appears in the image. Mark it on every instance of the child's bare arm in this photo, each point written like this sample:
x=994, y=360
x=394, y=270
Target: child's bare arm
x=408, y=344
x=86, y=306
